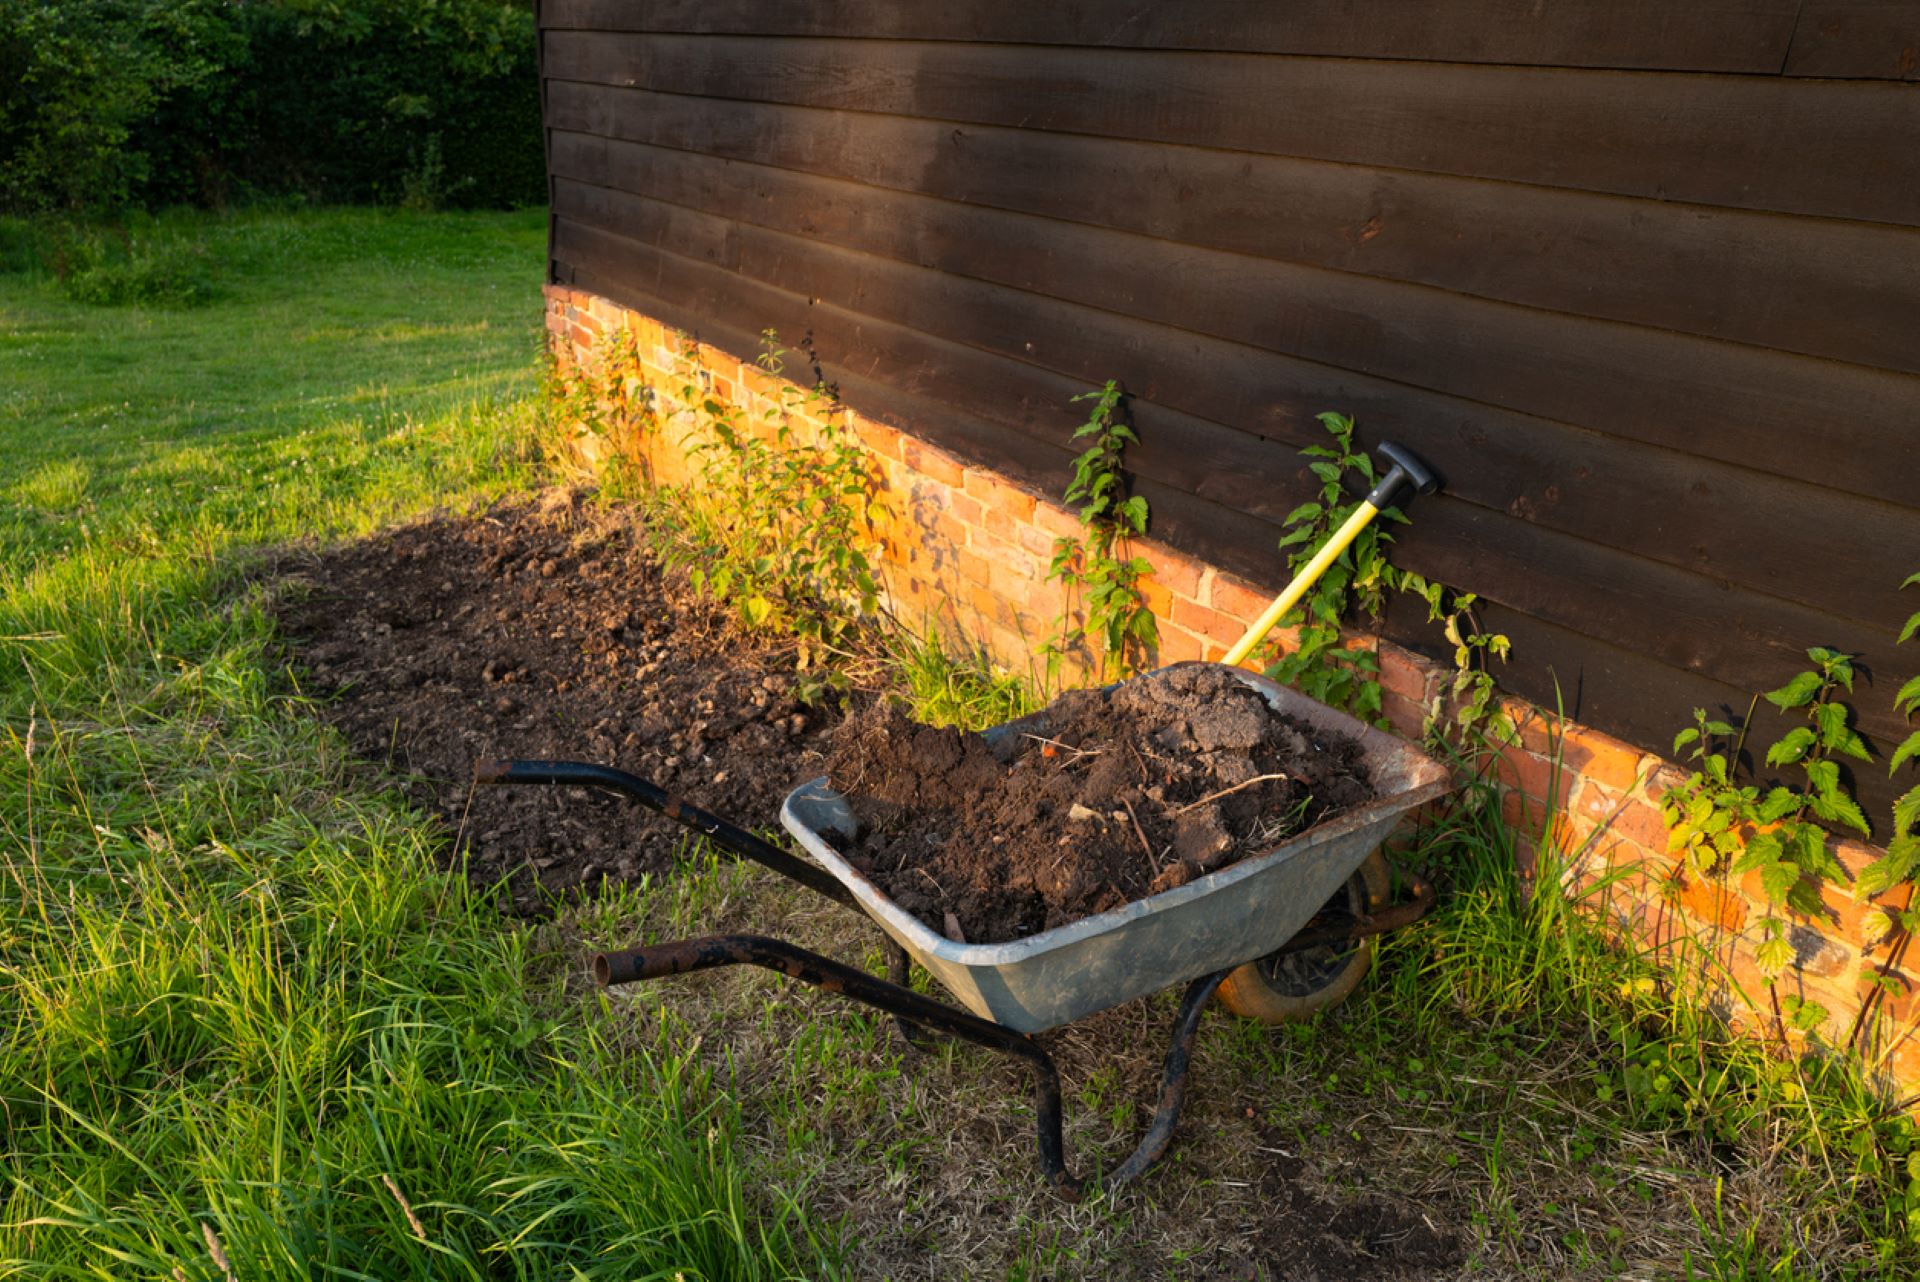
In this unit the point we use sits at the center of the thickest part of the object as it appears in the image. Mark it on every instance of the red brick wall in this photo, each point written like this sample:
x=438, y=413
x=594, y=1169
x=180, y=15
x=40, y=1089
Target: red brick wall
x=967, y=551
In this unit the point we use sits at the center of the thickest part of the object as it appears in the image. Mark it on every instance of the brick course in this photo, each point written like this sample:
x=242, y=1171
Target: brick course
x=966, y=550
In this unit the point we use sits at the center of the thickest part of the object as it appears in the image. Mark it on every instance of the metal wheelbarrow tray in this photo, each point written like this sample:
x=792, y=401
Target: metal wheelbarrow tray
x=1263, y=904
x=1238, y=913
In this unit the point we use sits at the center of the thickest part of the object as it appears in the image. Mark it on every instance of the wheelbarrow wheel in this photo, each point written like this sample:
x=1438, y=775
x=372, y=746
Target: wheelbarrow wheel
x=1283, y=987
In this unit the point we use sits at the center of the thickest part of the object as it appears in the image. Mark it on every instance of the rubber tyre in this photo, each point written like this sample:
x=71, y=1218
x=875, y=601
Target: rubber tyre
x=1256, y=991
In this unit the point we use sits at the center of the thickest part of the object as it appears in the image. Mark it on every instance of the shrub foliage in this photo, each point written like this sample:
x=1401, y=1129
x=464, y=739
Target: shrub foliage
x=110, y=103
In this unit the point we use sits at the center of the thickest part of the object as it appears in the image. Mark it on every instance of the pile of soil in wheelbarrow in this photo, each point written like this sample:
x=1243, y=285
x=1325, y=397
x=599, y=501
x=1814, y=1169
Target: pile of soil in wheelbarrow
x=1129, y=792
x=547, y=630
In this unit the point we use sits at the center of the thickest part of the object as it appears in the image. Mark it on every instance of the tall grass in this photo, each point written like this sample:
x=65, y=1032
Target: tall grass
x=248, y=1027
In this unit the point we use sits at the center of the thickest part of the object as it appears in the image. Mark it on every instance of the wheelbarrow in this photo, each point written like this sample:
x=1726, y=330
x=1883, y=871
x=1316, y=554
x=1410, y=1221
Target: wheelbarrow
x=1240, y=924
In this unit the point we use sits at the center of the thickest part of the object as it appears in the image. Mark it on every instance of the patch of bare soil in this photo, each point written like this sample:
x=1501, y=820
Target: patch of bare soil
x=1308, y=1239
x=1108, y=797
x=547, y=631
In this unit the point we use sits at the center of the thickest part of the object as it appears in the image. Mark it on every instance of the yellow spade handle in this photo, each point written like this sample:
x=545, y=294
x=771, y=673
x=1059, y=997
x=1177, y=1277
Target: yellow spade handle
x=1290, y=597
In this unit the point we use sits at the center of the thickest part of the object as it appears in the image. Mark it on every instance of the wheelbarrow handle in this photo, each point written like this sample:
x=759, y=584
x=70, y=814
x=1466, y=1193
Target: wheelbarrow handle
x=732, y=838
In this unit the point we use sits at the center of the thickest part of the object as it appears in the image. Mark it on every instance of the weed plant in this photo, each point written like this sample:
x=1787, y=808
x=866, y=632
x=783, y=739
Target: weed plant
x=1105, y=616
x=1792, y=1167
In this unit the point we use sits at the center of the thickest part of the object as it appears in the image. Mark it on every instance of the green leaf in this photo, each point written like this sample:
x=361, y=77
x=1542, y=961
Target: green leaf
x=1778, y=880
x=756, y=608
x=1912, y=626
x=1906, y=813
x=1780, y=803
x=1684, y=738
x=1808, y=843
x=1889, y=870
x=1905, y=752
x=1824, y=776
x=1797, y=692
x=1773, y=957
x=1874, y=926
x=1838, y=807
x=1832, y=720
x=1804, y=898
x=1791, y=747
x=1907, y=702
x=1808, y=1016
x=1749, y=860
x=1304, y=512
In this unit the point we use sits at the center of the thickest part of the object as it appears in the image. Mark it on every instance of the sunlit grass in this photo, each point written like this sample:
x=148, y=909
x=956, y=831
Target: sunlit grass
x=247, y=1028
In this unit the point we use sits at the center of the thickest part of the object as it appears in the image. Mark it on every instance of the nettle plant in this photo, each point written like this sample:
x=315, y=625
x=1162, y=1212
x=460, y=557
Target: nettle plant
x=1320, y=664
x=1718, y=825
x=1098, y=565
x=780, y=524
x=604, y=397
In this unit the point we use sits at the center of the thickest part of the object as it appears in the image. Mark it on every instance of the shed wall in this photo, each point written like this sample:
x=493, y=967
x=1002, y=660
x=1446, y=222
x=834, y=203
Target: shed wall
x=1640, y=280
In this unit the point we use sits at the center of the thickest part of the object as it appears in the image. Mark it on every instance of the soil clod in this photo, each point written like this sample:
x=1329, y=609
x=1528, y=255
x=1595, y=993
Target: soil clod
x=1115, y=795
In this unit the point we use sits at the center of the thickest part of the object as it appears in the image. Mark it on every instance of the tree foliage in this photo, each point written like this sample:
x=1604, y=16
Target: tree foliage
x=111, y=103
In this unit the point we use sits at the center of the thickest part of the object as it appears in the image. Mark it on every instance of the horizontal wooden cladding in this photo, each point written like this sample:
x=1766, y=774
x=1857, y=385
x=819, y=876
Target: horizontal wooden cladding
x=1723, y=35
x=1685, y=620
x=1816, y=287
x=1875, y=39
x=1707, y=400
x=1711, y=520
x=1741, y=141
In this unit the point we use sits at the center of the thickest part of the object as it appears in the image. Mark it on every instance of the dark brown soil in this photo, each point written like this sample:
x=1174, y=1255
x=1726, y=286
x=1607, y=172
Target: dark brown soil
x=1311, y=1240
x=547, y=631
x=1115, y=796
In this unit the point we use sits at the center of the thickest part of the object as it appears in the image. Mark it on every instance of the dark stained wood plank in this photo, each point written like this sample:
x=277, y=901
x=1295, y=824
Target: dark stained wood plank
x=1550, y=365
x=1716, y=35
x=1710, y=399
x=1707, y=518
x=1742, y=141
x=1842, y=290
x=1873, y=39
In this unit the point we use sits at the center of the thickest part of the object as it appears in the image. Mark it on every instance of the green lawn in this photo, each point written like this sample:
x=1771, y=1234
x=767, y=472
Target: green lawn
x=248, y=1030
x=241, y=1014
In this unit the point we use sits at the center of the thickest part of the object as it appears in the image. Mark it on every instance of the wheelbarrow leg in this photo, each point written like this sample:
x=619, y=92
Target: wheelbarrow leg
x=900, y=971
x=1173, y=1079
x=685, y=956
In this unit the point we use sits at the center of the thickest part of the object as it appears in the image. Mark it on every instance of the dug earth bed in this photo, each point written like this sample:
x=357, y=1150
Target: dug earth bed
x=546, y=629
x=1108, y=797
